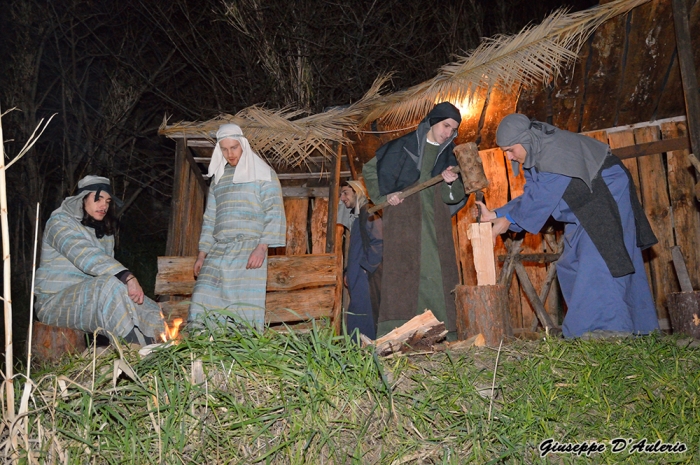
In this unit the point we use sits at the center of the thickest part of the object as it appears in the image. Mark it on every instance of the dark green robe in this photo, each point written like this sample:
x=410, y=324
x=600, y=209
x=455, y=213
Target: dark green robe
x=421, y=261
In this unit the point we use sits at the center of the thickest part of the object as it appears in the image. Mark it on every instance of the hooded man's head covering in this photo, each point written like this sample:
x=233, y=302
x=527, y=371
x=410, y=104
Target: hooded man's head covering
x=347, y=216
x=552, y=149
x=441, y=112
x=250, y=167
x=73, y=205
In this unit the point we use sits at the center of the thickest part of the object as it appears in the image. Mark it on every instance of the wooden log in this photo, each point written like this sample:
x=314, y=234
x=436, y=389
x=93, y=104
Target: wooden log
x=684, y=312
x=483, y=309
x=654, y=187
x=298, y=305
x=482, y=244
x=319, y=223
x=50, y=343
x=297, y=212
x=284, y=273
x=686, y=219
x=421, y=330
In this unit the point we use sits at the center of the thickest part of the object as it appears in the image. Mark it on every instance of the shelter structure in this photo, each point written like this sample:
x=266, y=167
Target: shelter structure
x=623, y=87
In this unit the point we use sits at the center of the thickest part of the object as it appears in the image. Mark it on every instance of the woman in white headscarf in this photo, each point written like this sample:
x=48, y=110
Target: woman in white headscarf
x=244, y=216
x=79, y=284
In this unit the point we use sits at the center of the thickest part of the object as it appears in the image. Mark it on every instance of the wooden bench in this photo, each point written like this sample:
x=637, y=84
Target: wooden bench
x=299, y=287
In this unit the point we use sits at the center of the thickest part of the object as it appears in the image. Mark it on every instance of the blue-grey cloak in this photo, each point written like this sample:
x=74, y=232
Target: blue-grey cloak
x=596, y=300
x=363, y=273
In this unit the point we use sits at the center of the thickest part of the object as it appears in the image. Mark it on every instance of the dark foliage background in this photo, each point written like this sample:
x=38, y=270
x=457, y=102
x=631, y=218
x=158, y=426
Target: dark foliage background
x=112, y=70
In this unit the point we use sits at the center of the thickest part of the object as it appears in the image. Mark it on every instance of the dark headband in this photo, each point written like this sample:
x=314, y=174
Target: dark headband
x=97, y=188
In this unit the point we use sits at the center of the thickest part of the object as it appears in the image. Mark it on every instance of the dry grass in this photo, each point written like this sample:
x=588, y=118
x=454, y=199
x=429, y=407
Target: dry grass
x=317, y=398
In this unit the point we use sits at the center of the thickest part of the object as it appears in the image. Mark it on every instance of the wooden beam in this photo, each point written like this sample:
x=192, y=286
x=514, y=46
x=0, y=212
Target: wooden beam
x=333, y=193
x=324, y=174
x=305, y=192
x=652, y=148
x=284, y=273
x=533, y=257
x=684, y=47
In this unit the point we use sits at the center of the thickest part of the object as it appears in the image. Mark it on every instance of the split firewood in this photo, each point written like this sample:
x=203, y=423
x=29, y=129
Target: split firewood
x=420, y=332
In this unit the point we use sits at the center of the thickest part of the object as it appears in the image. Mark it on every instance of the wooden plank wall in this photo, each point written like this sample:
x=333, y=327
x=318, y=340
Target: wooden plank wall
x=187, y=209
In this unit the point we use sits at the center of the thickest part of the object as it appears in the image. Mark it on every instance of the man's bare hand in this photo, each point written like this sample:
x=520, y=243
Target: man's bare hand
x=198, y=264
x=394, y=198
x=257, y=257
x=449, y=176
x=134, y=289
x=500, y=225
x=486, y=214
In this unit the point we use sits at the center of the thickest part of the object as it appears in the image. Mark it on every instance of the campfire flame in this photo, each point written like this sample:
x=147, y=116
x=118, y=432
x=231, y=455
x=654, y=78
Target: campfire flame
x=172, y=332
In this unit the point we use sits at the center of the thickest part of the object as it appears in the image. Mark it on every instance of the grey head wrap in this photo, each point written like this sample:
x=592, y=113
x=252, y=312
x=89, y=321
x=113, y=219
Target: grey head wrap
x=73, y=205
x=552, y=149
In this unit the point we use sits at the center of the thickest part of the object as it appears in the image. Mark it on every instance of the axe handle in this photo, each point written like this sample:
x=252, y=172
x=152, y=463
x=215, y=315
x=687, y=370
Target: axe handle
x=412, y=190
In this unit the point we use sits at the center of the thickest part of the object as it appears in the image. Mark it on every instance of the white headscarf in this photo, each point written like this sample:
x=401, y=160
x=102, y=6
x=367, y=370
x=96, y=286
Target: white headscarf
x=250, y=167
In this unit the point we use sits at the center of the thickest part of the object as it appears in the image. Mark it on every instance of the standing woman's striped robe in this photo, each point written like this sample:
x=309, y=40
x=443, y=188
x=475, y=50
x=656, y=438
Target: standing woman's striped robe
x=238, y=217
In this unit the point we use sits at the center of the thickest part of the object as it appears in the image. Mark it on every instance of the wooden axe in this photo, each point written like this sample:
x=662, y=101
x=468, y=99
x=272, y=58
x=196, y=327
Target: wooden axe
x=470, y=166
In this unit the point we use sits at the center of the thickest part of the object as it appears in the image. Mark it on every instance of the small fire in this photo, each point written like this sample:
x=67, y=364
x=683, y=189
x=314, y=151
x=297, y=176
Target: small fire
x=172, y=332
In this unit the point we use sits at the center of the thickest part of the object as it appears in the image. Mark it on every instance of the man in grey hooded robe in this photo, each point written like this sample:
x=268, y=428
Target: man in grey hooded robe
x=576, y=180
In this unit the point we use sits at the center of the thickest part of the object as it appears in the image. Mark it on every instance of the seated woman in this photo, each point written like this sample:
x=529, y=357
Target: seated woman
x=79, y=284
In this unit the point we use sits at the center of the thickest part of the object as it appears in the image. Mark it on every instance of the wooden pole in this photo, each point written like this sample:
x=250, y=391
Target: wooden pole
x=7, y=290
x=31, y=296
x=690, y=82
x=470, y=165
x=333, y=192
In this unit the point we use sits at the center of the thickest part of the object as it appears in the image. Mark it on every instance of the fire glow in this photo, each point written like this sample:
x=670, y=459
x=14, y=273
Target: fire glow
x=172, y=333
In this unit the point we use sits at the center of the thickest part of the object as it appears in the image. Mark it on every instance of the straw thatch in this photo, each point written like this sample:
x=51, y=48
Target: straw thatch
x=538, y=54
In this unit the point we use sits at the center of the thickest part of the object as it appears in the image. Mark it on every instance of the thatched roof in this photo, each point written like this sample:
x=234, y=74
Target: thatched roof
x=536, y=55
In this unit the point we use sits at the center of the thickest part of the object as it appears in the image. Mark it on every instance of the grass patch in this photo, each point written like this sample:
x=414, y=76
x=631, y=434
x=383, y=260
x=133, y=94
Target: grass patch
x=317, y=398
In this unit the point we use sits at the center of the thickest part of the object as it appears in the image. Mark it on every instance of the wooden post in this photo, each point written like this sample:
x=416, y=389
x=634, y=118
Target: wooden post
x=333, y=193
x=338, y=303
x=689, y=77
x=483, y=309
